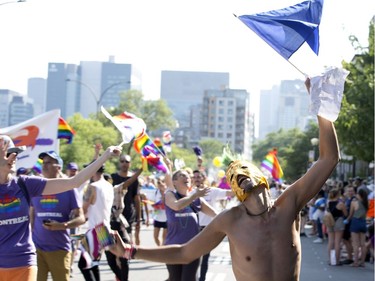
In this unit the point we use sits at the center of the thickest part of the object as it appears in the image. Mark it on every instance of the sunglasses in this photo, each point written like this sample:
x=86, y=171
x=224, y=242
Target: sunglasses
x=124, y=161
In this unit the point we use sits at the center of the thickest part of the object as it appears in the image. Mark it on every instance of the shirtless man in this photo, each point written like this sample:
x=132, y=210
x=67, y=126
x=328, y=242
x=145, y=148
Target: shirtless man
x=264, y=236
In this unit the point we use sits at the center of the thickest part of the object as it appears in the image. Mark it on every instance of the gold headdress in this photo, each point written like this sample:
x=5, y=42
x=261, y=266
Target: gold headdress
x=236, y=167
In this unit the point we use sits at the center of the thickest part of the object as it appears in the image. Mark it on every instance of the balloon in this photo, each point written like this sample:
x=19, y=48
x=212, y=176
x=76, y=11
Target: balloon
x=220, y=174
x=217, y=161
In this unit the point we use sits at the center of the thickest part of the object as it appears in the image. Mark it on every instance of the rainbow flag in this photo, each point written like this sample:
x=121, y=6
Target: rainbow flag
x=159, y=145
x=129, y=125
x=152, y=157
x=271, y=164
x=38, y=166
x=64, y=131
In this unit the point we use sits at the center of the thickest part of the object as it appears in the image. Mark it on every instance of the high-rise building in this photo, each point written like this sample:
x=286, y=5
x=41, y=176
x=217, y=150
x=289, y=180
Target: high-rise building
x=226, y=117
x=268, y=111
x=14, y=108
x=185, y=89
x=37, y=90
x=20, y=109
x=56, y=87
x=293, y=105
x=6, y=97
x=101, y=84
x=284, y=107
x=86, y=87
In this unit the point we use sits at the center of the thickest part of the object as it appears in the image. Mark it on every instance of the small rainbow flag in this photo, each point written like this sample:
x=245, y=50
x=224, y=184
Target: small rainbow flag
x=271, y=164
x=159, y=145
x=152, y=156
x=65, y=131
x=38, y=166
x=96, y=239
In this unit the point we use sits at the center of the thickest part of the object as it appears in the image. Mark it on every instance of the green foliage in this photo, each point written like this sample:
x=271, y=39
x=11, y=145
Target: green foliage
x=98, y=128
x=355, y=125
x=293, y=148
x=211, y=148
x=88, y=132
x=187, y=155
x=155, y=113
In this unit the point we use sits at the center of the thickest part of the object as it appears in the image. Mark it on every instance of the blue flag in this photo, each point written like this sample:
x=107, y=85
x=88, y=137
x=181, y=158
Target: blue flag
x=285, y=30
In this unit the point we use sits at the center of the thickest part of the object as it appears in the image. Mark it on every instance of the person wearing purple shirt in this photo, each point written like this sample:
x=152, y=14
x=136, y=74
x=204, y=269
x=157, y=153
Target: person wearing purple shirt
x=17, y=250
x=52, y=217
x=182, y=209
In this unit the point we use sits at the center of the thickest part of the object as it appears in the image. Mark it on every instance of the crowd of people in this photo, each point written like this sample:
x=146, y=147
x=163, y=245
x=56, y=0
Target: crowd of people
x=264, y=228
x=342, y=215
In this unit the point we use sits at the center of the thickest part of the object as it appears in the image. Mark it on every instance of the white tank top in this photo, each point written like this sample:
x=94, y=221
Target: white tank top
x=100, y=211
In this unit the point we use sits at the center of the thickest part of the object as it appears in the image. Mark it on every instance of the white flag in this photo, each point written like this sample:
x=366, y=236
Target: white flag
x=129, y=125
x=326, y=93
x=38, y=134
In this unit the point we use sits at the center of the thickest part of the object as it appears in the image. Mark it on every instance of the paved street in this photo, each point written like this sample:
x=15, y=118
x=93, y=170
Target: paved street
x=314, y=265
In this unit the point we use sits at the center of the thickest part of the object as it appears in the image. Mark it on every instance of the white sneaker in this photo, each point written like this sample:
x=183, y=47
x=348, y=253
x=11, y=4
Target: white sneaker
x=318, y=241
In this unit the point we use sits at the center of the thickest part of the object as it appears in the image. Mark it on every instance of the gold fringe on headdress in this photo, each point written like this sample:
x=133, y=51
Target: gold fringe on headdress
x=236, y=167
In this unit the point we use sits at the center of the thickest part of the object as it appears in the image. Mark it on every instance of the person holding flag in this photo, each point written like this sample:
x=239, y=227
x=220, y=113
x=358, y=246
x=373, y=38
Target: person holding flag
x=264, y=235
x=17, y=251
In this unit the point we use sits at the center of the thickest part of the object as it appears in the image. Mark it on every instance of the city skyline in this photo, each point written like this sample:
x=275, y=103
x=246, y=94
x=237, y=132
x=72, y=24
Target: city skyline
x=153, y=36
x=164, y=35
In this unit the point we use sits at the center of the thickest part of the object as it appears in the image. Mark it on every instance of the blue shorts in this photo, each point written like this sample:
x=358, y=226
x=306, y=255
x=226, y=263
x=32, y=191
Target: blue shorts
x=358, y=225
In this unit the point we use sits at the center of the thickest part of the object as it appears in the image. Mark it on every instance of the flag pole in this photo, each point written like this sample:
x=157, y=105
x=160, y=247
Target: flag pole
x=303, y=73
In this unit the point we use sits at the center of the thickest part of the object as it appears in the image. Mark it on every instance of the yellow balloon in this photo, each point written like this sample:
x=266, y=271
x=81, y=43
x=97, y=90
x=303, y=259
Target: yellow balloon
x=221, y=174
x=217, y=161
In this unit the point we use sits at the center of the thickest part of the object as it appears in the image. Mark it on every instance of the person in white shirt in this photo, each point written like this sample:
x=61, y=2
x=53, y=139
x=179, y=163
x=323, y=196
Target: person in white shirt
x=212, y=198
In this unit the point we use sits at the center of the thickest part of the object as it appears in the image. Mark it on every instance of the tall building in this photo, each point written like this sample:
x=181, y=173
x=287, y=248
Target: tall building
x=268, y=113
x=20, y=109
x=37, y=90
x=101, y=84
x=293, y=105
x=226, y=117
x=183, y=90
x=14, y=108
x=86, y=87
x=56, y=87
x=284, y=107
x=6, y=97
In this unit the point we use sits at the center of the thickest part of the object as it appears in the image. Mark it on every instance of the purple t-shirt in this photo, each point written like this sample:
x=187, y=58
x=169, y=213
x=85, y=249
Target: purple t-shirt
x=16, y=246
x=56, y=207
x=183, y=224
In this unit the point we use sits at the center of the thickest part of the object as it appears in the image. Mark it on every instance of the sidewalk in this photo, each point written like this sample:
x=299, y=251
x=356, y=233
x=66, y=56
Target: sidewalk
x=315, y=262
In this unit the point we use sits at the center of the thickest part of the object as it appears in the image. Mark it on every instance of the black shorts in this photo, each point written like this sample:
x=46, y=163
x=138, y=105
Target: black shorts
x=160, y=224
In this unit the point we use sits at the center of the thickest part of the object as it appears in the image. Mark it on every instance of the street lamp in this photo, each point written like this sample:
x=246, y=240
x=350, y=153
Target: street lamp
x=314, y=142
x=99, y=100
x=10, y=2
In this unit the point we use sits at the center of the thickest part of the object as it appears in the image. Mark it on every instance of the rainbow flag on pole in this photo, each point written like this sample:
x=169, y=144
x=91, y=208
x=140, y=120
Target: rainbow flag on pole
x=271, y=164
x=64, y=131
x=152, y=156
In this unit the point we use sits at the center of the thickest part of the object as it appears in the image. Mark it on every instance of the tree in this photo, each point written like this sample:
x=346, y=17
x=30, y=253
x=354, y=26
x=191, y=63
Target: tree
x=211, y=148
x=155, y=113
x=355, y=125
x=88, y=132
x=293, y=149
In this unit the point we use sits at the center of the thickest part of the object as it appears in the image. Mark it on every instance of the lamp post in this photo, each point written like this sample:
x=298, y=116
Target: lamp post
x=314, y=142
x=99, y=100
x=11, y=2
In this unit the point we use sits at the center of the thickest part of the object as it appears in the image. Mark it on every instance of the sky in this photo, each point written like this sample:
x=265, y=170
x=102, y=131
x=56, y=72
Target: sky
x=152, y=35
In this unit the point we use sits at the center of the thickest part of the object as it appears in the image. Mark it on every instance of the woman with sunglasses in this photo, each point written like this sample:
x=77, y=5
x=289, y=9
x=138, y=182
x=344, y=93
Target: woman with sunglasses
x=17, y=251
